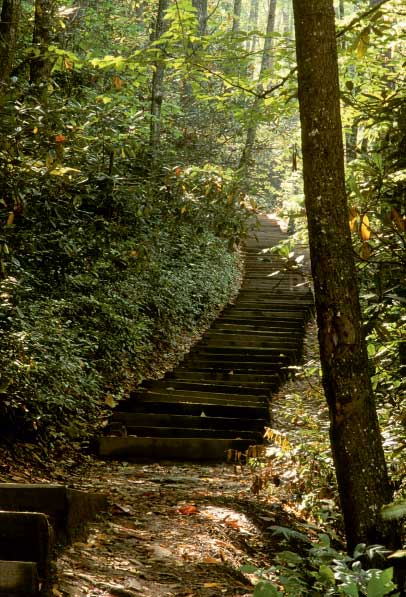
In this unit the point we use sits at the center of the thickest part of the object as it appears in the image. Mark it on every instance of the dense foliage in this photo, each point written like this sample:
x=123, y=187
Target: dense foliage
x=107, y=259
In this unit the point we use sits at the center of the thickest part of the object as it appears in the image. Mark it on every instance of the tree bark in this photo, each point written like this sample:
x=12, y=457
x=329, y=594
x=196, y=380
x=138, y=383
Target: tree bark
x=201, y=13
x=354, y=430
x=253, y=24
x=266, y=63
x=40, y=65
x=9, y=21
x=287, y=19
x=237, y=5
x=157, y=86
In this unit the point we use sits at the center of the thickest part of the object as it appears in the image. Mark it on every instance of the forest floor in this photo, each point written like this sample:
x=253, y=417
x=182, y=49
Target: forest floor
x=182, y=529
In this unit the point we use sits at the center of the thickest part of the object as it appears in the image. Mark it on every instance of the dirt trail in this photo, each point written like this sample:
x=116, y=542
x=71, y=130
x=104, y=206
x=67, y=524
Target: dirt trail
x=173, y=529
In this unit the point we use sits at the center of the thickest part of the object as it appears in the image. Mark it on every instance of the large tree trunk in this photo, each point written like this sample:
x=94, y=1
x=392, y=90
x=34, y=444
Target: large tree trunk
x=9, y=20
x=355, y=437
x=157, y=87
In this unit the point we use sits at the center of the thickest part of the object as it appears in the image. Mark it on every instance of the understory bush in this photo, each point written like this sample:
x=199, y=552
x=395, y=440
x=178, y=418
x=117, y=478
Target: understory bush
x=93, y=286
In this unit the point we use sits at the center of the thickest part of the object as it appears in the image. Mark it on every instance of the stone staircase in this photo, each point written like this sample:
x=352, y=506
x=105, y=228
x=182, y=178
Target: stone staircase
x=35, y=519
x=217, y=399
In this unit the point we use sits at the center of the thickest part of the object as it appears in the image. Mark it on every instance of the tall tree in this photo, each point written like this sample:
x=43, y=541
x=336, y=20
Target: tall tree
x=157, y=87
x=266, y=65
x=237, y=5
x=354, y=431
x=9, y=20
x=201, y=13
x=253, y=25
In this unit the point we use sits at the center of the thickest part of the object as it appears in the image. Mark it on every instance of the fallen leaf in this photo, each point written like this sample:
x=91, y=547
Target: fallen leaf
x=123, y=510
x=109, y=400
x=211, y=561
x=188, y=510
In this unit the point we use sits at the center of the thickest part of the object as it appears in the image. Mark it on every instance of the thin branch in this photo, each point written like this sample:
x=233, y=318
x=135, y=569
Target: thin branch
x=359, y=18
x=212, y=12
x=281, y=83
x=267, y=92
x=225, y=79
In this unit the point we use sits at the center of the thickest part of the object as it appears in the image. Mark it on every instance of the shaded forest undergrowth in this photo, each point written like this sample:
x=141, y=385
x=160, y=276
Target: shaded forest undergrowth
x=93, y=290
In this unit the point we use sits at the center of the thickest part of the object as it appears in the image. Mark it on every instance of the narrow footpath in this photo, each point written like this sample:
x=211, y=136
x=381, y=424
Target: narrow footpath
x=175, y=530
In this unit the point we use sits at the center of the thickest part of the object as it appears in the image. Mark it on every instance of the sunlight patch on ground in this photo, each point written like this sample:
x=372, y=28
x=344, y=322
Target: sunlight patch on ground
x=229, y=518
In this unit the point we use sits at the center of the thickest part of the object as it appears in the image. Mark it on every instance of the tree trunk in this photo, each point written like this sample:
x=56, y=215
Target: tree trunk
x=351, y=143
x=157, y=86
x=9, y=20
x=253, y=25
x=287, y=19
x=354, y=432
x=201, y=13
x=236, y=16
x=40, y=65
x=266, y=65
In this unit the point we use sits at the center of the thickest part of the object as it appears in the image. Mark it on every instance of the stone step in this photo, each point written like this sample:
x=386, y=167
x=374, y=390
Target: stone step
x=274, y=329
x=259, y=301
x=251, y=329
x=201, y=397
x=272, y=276
x=262, y=377
x=27, y=537
x=225, y=333
x=277, y=323
x=32, y=518
x=139, y=431
x=163, y=448
x=247, y=341
x=182, y=406
x=224, y=366
x=234, y=390
x=270, y=312
x=284, y=291
x=246, y=352
x=284, y=300
x=68, y=509
x=296, y=310
x=19, y=579
x=130, y=419
x=270, y=284
x=239, y=360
